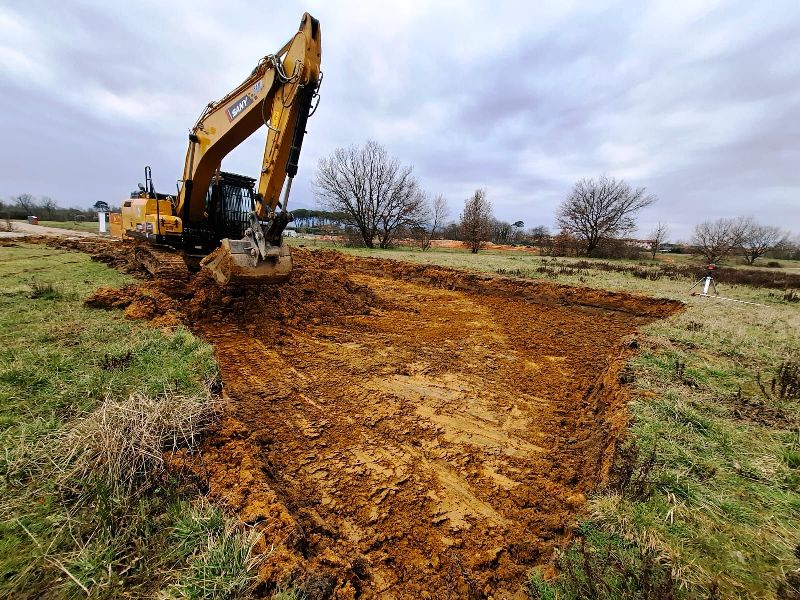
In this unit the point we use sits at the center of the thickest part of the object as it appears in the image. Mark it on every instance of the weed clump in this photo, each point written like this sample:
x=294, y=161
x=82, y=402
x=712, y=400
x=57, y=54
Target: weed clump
x=121, y=443
x=604, y=566
x=45, y=291
x=785, y=384
x=219, y=554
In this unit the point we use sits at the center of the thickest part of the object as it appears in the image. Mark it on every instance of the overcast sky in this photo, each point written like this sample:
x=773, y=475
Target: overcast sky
x=697, y=101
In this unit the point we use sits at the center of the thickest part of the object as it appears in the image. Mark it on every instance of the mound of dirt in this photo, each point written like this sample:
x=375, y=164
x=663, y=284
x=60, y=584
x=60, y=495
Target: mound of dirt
x=320, y=290
x=114, y=252
x=405, y=431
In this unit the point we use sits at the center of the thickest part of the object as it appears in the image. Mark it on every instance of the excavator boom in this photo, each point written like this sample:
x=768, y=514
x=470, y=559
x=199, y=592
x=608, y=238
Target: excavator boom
x=288, y=82
x=242, y=218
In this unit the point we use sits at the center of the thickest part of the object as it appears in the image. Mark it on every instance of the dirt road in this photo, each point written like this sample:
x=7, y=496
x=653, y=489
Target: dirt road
x=22, y=229
x=401, y=431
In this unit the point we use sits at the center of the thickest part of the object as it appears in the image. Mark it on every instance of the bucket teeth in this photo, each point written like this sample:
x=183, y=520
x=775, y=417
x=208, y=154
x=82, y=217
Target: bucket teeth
x=237, y=262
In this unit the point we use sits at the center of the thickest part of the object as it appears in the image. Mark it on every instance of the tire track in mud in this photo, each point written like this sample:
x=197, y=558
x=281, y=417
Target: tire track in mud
x=400, y=431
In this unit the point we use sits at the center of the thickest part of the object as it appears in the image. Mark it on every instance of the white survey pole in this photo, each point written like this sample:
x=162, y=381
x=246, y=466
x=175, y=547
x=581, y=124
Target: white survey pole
x=101, y=219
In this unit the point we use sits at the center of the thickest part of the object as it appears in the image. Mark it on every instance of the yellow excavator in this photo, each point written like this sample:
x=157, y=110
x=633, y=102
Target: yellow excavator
x=234, y=222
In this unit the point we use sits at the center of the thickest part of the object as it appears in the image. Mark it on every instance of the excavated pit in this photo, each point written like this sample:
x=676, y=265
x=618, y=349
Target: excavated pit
x=405, y=431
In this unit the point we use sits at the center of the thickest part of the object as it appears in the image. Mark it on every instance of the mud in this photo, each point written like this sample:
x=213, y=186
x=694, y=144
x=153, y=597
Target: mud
x=404, y=431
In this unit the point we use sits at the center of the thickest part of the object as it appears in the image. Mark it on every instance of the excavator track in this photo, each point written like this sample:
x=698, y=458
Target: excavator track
x=162, y=262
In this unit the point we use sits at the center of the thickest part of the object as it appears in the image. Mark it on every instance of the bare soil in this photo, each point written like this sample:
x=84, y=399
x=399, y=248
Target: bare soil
x=405, y=431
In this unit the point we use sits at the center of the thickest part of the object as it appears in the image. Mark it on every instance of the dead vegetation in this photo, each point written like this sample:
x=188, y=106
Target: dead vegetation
x=121, y=444
x=785, y=384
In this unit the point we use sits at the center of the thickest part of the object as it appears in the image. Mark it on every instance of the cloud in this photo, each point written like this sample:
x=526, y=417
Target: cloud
x=698, y=102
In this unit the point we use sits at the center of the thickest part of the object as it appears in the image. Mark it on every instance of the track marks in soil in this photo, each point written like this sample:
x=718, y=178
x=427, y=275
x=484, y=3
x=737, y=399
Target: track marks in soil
x=400, y=431
x=441, y=438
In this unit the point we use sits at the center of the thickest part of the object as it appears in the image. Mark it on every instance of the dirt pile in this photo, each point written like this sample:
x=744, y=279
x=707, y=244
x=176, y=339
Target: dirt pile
x=114, y=252
x=402, y=431
x=320, y=290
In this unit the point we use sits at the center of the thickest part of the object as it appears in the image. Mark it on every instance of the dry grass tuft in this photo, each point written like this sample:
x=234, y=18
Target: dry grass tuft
x=121, y=443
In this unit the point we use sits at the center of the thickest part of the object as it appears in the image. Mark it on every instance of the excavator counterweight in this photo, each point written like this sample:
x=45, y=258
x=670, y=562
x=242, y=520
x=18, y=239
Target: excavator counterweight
x=237, y=222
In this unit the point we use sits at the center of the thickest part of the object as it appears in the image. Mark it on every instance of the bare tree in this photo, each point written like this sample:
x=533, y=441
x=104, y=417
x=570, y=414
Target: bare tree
x=476, y=220
x=759, y=239
x=26, y=202
x=657, y=237
x=538, y=234
x=376, y=194
x=600, y=210
x=49, y=206
x=716, y=239
x=502, y=232
x=787, y=248
x=432, y=218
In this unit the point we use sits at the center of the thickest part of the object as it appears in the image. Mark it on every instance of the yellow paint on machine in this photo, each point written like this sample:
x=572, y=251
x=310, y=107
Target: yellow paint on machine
x=149, y=216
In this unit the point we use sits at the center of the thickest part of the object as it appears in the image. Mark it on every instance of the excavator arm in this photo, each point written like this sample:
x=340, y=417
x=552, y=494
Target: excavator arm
x=279, y=94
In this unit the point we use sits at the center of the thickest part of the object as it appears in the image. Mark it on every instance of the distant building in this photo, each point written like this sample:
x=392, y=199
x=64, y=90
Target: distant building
x=643, y=244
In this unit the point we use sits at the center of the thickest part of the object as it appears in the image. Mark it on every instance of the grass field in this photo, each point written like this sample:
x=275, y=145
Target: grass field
x=90, y=226
x=707, y=502
x=463, y=258
x=88, y=400
x=719, y=503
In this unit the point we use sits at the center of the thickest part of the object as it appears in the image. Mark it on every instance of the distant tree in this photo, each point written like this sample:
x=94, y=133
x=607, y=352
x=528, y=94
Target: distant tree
x=301, y=217
x=375, y=193
x=716, y=239
x=451, y=231
x=563, y=244
x=305, y=217
x=601, y=209
x=476, y=220
x=431, y=221
x=49, y=206
x=787, y=248
x=100, y=206
x=759, y=239
x=518, y=233
x=26, y=202
x=538, y=234
x=657, y=237
x=502, y=231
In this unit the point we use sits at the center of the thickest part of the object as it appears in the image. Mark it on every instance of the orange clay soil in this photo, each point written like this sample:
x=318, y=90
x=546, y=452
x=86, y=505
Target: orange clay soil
x=405, y=431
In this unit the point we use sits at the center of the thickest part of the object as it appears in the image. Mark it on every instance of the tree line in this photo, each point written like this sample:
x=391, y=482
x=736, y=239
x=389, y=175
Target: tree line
x=379, y=200
x=23, y=206
x=376, y=200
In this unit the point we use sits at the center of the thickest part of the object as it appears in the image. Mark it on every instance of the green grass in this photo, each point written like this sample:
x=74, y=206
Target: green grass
x=90, y=226
x=462, y=258
x=723, y=514
x=65, y=527
x=605, y=566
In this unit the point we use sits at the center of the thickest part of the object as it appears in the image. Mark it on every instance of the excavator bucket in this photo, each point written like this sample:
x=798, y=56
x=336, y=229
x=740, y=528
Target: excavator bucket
x=238, y=262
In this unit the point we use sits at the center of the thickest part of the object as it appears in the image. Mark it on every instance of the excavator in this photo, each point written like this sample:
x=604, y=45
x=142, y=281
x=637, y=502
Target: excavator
x=232, y=223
